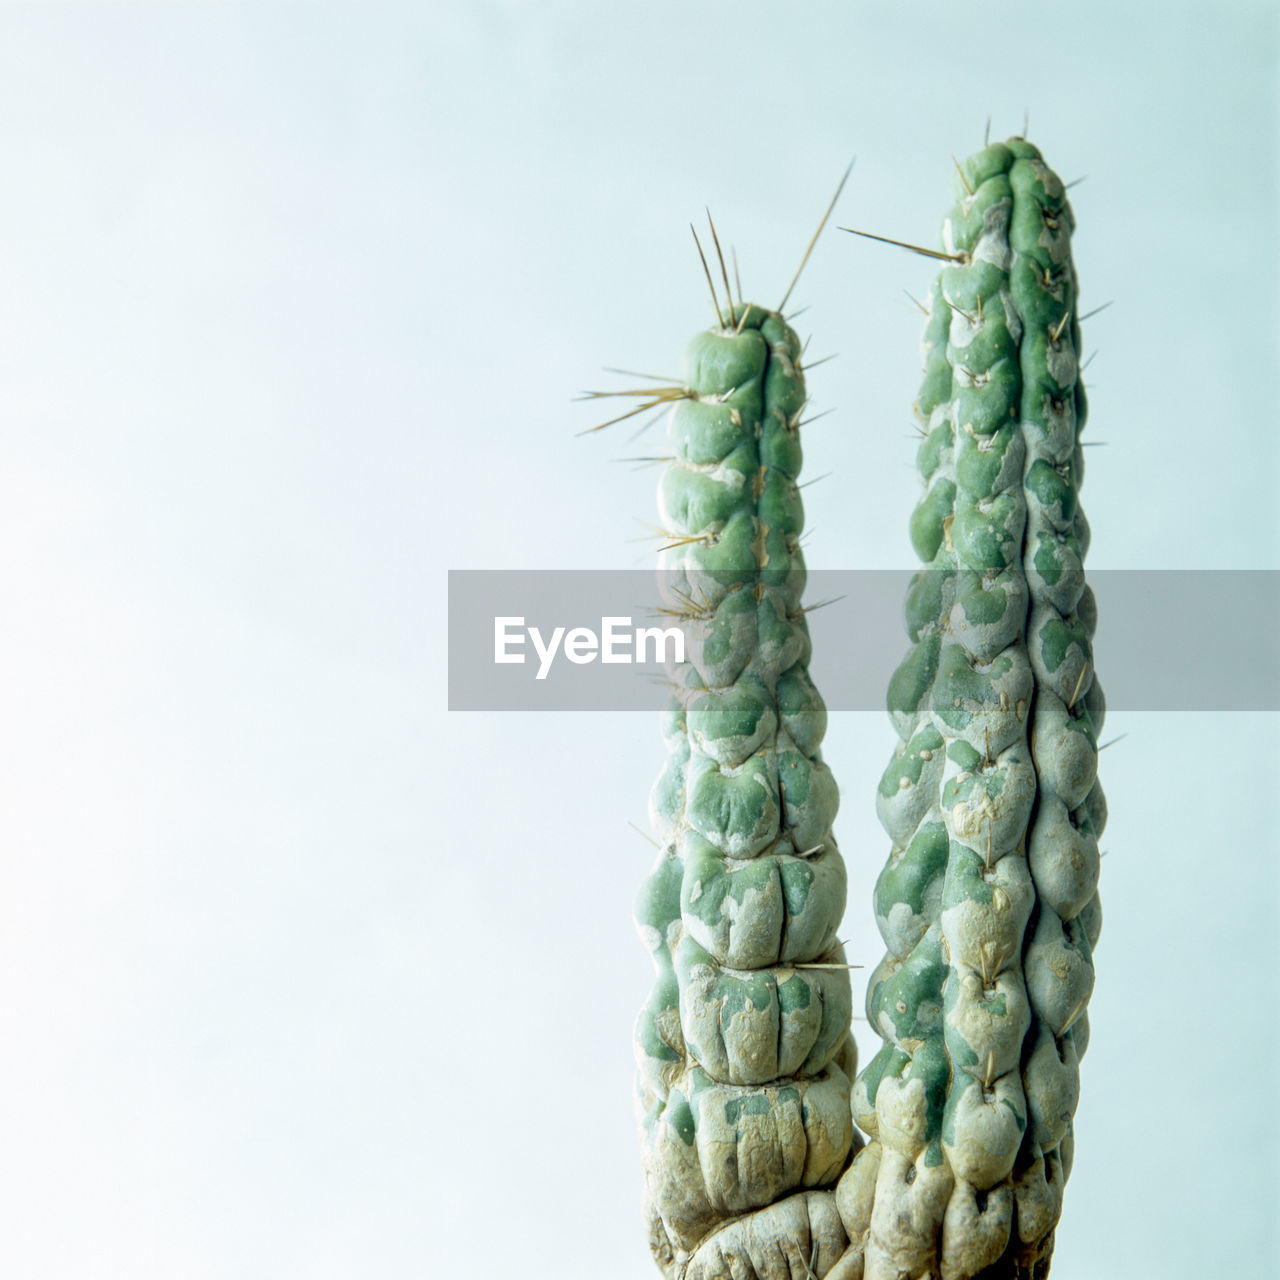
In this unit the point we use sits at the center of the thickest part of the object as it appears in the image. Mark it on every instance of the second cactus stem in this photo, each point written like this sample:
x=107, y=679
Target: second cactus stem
x=988, y=904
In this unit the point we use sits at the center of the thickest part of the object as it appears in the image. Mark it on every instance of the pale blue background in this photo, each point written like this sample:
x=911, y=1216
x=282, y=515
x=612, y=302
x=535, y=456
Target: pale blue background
x=300, y=976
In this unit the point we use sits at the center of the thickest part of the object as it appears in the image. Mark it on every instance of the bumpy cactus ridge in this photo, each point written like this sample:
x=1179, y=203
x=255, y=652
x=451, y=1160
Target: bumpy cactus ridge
x=988, y=904
x=745, y=1058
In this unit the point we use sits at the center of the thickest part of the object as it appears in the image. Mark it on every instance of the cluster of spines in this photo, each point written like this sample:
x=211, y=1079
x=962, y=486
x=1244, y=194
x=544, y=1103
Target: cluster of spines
x=744, y=1054
x=988, y=903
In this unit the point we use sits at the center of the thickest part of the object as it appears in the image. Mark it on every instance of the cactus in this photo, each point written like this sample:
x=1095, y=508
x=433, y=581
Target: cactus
x=744, y=1052
x=987, y=904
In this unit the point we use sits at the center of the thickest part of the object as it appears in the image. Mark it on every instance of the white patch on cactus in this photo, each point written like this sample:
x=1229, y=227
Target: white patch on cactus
x=992, y=1017
x=1053, y=1089
x=902, y=928
x=801, y=1235
x=986, y=1129
x=651, y=938
x=1061, y=359
x=1012, y=320
x=1064, y=860
x=911, y=1198
x=974, y=1238
x=901, y=1112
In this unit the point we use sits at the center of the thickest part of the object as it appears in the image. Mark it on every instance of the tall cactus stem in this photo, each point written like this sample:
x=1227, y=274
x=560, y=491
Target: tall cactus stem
x=988, y=904
x=744, y=1051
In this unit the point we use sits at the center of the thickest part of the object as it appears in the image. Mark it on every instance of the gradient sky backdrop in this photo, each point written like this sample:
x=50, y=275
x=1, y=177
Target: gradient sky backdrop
x=300, y=975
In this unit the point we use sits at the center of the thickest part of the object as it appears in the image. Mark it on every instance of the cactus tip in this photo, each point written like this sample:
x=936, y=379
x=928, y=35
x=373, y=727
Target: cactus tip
x=707, y=272
x=903, y=244
x=916, y=301
x=644, y=835
x=813, y=364
x=818, y=232
x=724, y=272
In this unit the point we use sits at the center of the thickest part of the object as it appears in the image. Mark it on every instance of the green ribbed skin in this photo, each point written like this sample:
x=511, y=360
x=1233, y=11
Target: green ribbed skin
x=988, y=903
x=745, y=1058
